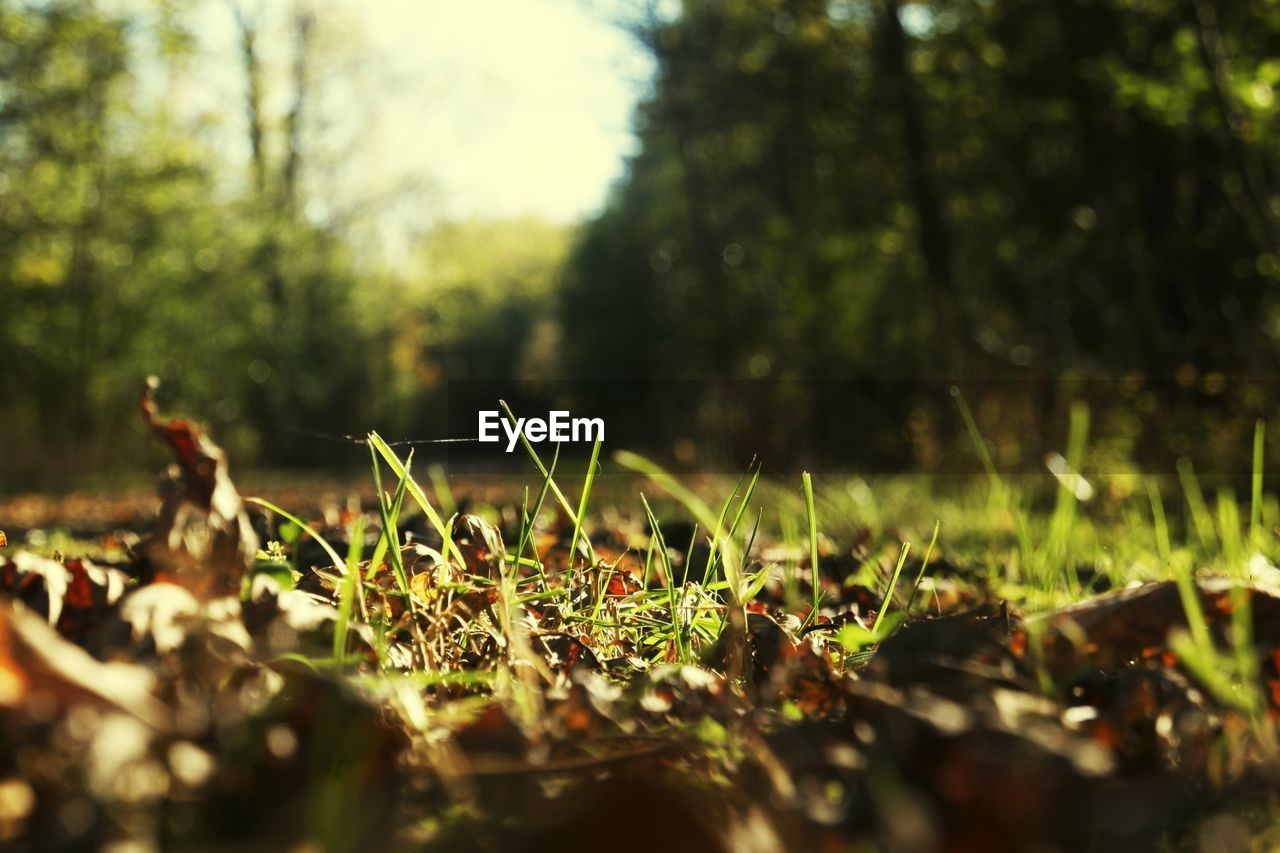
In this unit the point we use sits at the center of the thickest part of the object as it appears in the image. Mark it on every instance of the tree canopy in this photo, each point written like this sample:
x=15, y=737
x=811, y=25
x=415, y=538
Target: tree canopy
x=1041, y=195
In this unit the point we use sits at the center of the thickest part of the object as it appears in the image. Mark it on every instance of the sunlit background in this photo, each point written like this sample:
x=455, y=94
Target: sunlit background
x=505, y=108
x=733, y=227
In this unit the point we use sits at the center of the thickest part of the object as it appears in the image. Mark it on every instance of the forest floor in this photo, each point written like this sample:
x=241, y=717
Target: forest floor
x=630, y=663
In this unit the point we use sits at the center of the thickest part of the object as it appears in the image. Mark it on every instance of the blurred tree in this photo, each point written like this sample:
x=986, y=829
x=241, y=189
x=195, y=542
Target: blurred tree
x=312, y=358
x=64, y=67
x=932, y=189
x=123, y=252
x=485, y=293
x=823, y=189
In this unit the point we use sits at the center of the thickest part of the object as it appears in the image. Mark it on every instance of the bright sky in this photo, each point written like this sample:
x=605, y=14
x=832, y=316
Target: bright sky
x=512, y=106
x=506, y=107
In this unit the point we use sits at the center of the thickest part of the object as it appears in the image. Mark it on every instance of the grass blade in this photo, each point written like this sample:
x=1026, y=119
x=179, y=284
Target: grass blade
x=980, y=446
x=542, y=469
x=696, y=507
x=715, y=553
x=389, y=456
x=350, y=589
x=338, y=562
x=1255, y=501
x=440, y=485
x=1164, y=546
x=390, y=532
x=672, y=596
x=888, y=595
x=526, y=525
x=924, y=566
x=587, y=482
x=1200, y=518
x=812, y=517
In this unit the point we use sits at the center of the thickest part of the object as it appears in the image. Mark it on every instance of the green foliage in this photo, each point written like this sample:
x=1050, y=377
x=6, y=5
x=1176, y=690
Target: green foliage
x=1038, y=192
x=479, y=292
x=122, y=254
x=947, y=188
x=132, y=243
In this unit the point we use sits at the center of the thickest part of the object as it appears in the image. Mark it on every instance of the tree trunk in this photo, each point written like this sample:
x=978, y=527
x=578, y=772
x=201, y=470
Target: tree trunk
x=304, y=22
x=253, y=99
x=935, y=236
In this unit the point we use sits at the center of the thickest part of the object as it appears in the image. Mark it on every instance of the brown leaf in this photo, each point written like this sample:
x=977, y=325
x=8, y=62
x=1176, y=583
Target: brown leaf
x=38, y=666
x=202, y=538
x=961, y=655
x=805, y=677
x=1113, y=629
x=73, y=596
x=565, y=652
x=480, y=544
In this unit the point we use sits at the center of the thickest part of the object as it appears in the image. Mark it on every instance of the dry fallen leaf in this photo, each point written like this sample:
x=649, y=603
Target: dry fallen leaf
x=1110, y=630
x=202, y=538
x=37, y=665
x=73, y=595
x=480, y=544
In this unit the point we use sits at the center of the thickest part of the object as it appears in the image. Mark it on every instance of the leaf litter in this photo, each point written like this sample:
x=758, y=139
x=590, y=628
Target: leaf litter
x=211, y=691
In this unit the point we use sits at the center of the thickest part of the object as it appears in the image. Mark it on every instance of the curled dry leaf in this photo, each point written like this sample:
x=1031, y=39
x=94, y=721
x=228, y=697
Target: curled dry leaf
x=38, y=666
x=71, y=582
x=161, y=613
x=73, y=595
x=565, y=652
x=480, y=544
x=423, y=563
x=958, y=655
x=202, y=536
x=1132, y=624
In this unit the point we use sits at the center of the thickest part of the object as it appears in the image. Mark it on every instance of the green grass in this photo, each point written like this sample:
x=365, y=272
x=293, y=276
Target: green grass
x=593, y=467
x=1036, y=543
x=887, y=602
x=811, y=519
x=444, y=637
x=1022, y=555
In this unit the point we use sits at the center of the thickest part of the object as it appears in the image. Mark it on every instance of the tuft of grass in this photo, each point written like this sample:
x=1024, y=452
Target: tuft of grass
x=419, y=496
x=349, y=586
x=924, y=565
x=1001, y=496
x=678, y=633
x=715, y=552
x=542, y=469
x=722, y=540
x=1233, y=675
